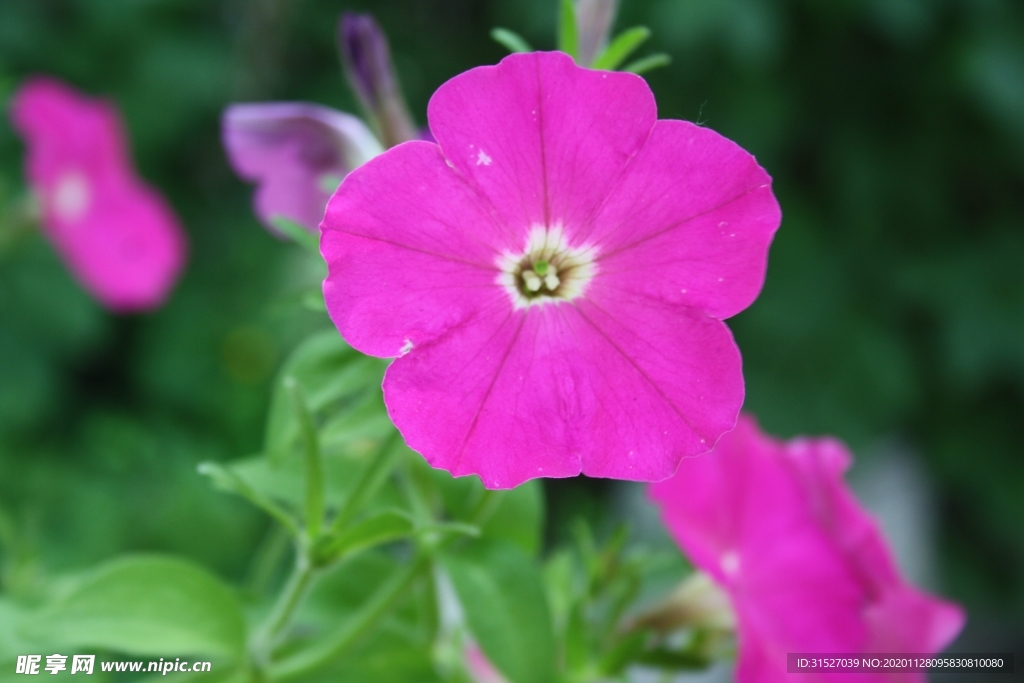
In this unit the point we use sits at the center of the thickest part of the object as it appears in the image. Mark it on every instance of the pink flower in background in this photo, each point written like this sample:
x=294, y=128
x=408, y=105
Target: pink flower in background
x=806, y=569
x=553, y=274
x=298, y=153
x=480, y=668
x=117, y=235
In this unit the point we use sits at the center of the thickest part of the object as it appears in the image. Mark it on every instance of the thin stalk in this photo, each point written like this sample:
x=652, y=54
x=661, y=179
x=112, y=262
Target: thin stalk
x=299, y=583
x=359, y=625
x=370, y=480
x=313, y=461
x=268, y=560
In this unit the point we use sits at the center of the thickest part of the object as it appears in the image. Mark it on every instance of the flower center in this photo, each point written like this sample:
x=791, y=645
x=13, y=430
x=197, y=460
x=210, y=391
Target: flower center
x=548, y=270
x=71, y=196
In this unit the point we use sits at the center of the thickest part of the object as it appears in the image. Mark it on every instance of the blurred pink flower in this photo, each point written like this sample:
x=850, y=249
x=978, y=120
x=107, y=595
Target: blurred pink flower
x=806, y=569
x=117, y=235
x=480, y=668
x=298, y=153
x=553, y=274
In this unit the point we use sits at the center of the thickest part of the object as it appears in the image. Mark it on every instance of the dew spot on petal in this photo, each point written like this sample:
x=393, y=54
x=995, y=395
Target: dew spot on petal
x=482, y=159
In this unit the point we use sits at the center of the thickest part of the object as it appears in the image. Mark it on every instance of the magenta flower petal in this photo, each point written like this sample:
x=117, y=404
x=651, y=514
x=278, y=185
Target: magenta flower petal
x=543, y=139
x=118, y=236
x=698, y=210
x=806, y=569
x=564, y=392
x=529, y=283
x=298, y=153
x=404, y=270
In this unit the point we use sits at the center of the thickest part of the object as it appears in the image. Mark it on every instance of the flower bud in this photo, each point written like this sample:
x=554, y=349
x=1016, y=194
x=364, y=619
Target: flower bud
x=366, y=59
x=594, y=19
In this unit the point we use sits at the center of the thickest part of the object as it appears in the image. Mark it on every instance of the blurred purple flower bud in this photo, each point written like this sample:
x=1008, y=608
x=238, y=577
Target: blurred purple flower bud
x=298, y=153
x=594, y=19
x=366, y=59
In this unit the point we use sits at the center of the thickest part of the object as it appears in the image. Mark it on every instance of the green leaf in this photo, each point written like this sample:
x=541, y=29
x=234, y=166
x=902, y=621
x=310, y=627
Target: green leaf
x=284, y=483
x=378, y=528
x=567, y=37
x=147, y=605
x=297, y=233
x=227, y=479
x=511, y=40
x=519, y=517
x=502, y=595
x=389, y=657
x=334, y=378
x=623, y=46
x=13, y=640
x=647, y=63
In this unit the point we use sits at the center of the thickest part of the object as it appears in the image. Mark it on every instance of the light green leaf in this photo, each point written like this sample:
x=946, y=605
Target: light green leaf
x=284, y=483
x=647, y=63
x=623, y=46
x=227, y=479
x=334, y=378
x=567, y=35
x=297, y=233
x=147, y=605
x=511, y=40
x=391, y=656
x=13, y=640
x=519, y=517
x=502, y=595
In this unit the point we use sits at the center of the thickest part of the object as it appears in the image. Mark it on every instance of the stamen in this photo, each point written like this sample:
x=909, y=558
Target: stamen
x=548, y=270
x=532, y=282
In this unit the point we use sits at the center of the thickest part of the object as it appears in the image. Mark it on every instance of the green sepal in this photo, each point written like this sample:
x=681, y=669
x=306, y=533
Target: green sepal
x=646, y=64
x=621, y=47
x=510, y=40
x=568, y=40
x=297, y=233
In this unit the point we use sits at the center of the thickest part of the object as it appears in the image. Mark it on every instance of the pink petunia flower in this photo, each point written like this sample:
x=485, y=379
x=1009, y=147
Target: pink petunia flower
x=479, y=667
x=298, y=153
x=117, y=235
x=553, y=274
x=806, y=569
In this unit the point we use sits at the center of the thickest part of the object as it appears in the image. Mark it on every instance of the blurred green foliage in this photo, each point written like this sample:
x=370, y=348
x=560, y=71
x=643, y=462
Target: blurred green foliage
x=894, y=305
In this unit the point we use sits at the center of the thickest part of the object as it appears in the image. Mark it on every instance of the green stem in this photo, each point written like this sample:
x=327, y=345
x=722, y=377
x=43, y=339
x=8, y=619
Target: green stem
x=268, y=559
x=486, y=506
x=284, y=610
x=313, y=461
x=370, y=480
x=359, y=625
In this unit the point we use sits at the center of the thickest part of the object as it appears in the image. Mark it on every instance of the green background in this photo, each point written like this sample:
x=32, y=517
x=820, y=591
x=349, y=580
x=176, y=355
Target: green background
x=893, y=308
